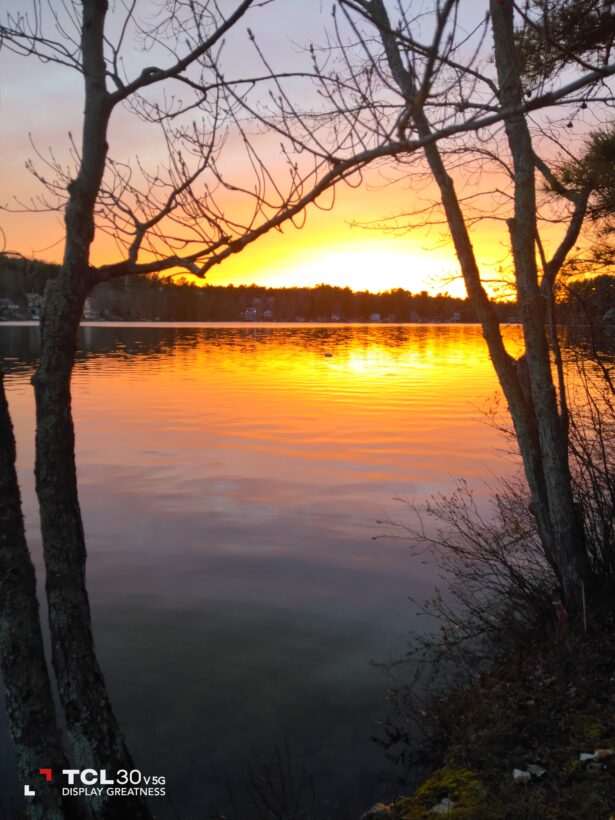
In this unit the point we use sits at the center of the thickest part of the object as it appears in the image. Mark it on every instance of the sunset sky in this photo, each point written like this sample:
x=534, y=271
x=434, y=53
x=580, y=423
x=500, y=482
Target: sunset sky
x=46, y=101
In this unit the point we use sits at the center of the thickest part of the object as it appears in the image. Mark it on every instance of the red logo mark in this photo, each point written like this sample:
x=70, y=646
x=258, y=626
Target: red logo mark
x=47, y=774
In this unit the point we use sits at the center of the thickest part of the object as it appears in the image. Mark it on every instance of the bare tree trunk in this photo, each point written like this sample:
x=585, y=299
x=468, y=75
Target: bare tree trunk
x=512, y=375
x=93, y=729
x=97, y=740
x=31, y=712
x=564, y=520
x=527, y=383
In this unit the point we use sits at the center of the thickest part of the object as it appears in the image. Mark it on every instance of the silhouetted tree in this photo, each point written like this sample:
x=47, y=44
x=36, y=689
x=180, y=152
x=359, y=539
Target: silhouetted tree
x=431, y=85
x=381, y=102
x=162, y=219
x=30, y=707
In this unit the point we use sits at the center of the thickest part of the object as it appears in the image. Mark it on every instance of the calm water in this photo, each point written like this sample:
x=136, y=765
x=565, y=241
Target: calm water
x=231, y=479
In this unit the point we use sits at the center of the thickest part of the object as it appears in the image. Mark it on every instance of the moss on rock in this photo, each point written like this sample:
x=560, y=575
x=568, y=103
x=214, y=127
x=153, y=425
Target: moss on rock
x=467, y=793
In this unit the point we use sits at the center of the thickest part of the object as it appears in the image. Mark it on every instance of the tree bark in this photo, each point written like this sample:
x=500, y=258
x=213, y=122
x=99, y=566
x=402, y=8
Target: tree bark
x=527, y=383
x=31, y=712
x=564, y=521
x=93, y=729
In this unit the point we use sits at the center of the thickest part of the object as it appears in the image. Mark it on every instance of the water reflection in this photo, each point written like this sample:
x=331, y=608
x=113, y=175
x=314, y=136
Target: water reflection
x=231, y=479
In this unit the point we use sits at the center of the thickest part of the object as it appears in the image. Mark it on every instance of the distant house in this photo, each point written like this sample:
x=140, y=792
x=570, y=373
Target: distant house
x=8, y=309
x=89, y=311
x=374, y=317
x=249, y=314
x=268, y=315
x=35, y=304
x=456, y=317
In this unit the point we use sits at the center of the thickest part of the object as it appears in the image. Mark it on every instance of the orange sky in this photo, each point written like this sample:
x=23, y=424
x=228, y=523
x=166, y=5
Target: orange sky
x=330, y=249
x=327, y=249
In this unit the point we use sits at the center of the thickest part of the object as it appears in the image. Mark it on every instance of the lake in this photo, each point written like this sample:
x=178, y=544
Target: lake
x=232, y=478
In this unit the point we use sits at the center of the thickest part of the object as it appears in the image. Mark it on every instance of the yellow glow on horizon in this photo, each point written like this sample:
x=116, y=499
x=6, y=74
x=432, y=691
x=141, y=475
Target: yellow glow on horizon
x=375, y=265
x=329, y=246
x=327, y=249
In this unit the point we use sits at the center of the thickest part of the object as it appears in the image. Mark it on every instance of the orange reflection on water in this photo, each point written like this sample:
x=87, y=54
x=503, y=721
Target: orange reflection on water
x=282, y=443
x=231, y=481
x=395, y=403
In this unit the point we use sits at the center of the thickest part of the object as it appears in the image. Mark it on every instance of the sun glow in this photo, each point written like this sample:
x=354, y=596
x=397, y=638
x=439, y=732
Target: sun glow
x=374, y=268
x=370, y=265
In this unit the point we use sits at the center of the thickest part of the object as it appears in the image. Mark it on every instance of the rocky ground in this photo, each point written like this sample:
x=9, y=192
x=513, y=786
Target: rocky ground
x=533, y=738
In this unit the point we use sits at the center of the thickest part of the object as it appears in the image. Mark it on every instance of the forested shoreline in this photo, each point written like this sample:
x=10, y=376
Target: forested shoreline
x=146, y=298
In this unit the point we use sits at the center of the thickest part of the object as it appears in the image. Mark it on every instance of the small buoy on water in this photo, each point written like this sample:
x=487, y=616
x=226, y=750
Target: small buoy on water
x=328, y=355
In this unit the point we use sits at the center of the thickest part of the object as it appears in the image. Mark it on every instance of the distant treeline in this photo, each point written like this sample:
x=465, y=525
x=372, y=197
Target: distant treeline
x=184, y=301
x=22, y=282
x=150, y=298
